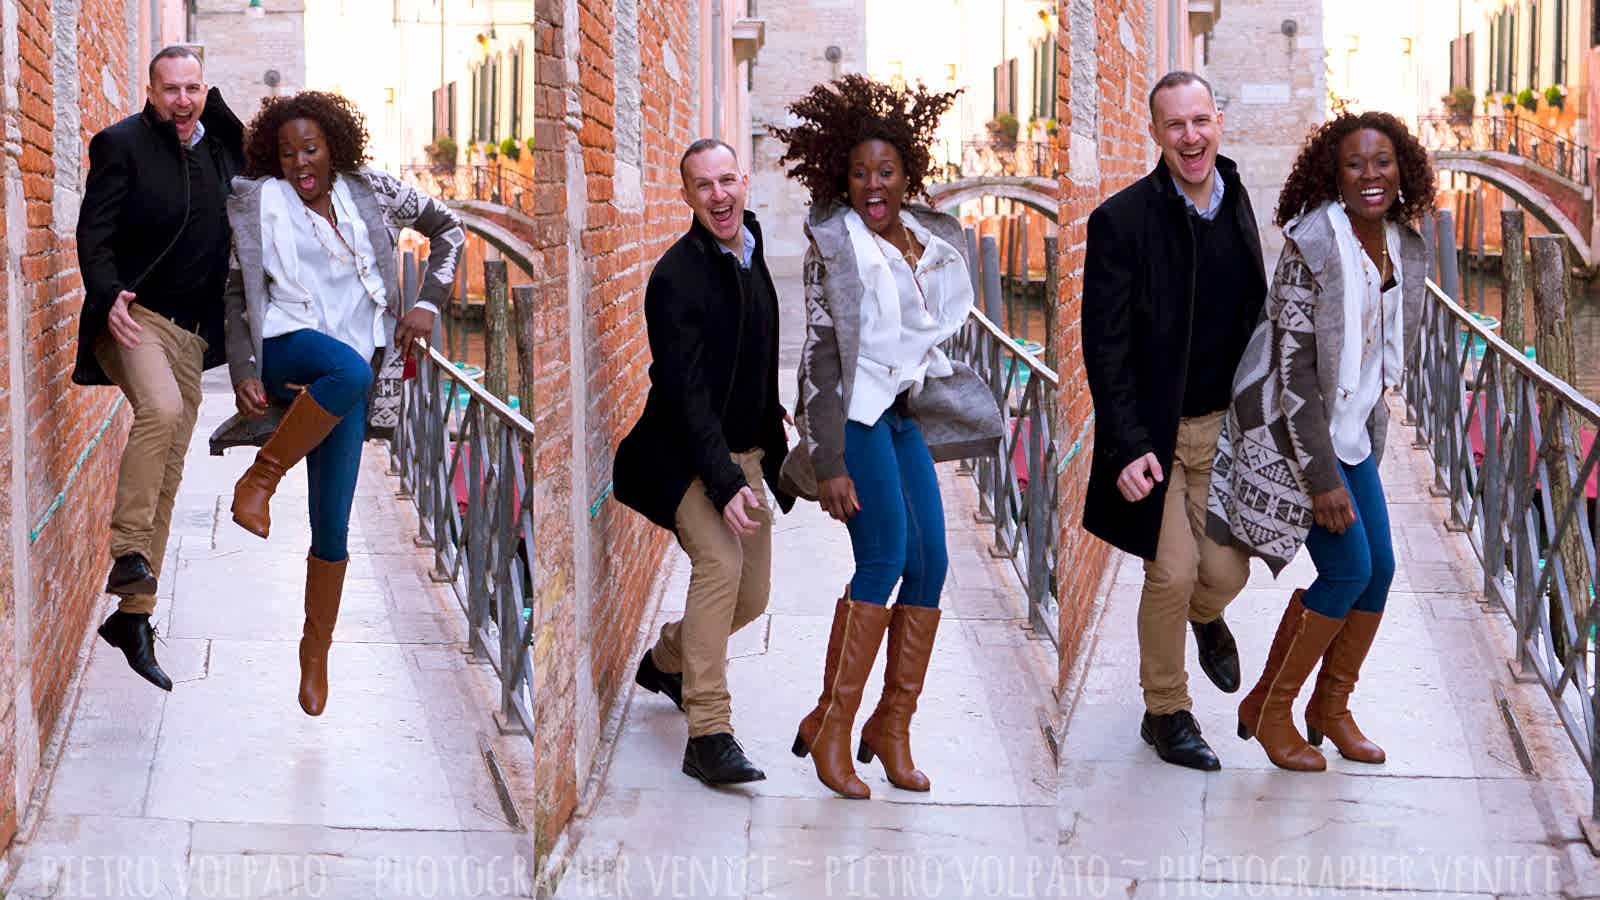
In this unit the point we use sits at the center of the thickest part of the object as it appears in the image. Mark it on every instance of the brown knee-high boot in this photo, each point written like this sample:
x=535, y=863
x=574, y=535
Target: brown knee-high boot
x=324, y=587
x=887, y=732
x=302, y=429
x=825, y=732
x=1328, y=712
x=1266, y=713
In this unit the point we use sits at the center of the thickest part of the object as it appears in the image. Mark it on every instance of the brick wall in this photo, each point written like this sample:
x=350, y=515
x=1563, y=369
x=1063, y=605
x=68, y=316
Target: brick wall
x=240, y=49
x=1273, y=89
x=790, y=63
x=1103, y=72
x=71, y=58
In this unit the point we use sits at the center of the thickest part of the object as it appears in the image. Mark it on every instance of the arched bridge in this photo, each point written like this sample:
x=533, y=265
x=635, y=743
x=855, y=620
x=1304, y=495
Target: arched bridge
x=1543, y=172
x=1035, y=192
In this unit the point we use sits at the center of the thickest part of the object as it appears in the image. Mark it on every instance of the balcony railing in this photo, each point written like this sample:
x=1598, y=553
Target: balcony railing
x=1017, y=488
x=459, y=453
x=995, y=158
x=1512, y=135
x=497, y=184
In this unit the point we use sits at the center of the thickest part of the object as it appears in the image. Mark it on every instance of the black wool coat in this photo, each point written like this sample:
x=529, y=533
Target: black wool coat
x=693, y=309
x=1138, y=315
x=134, y=207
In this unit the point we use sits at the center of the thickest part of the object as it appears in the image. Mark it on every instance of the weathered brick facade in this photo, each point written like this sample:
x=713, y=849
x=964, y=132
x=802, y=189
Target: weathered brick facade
x=65, y=64
x=1103, y=73
x=241, y=50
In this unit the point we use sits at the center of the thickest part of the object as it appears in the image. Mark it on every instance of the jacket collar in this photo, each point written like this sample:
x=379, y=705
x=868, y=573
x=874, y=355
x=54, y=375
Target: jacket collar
x=709, y=243
x=1161, y=178
x=218, y=119
x=1313, y=233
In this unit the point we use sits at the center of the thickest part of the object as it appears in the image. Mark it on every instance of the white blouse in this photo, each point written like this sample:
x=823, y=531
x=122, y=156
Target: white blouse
x=318, y=278
x=1373, y=346
x=905, y=315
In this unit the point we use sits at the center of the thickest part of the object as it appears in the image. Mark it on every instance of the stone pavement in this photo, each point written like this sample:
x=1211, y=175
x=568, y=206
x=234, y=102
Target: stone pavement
x=979, y=733
x=224, y=788
x=1453, y=813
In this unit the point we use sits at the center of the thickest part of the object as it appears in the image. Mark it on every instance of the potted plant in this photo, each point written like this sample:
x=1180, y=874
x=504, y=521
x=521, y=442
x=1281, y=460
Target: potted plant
x=1003, y=130
x=491, y=151
x=442, y=155
x=1556, y=96
x=1528, y=100
x=1508, y=102
x=511, y=149
x=1459, y=103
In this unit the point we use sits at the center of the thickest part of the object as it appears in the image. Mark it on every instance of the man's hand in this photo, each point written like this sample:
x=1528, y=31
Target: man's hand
x=250, y=396
x=838, y=497
x=1333, y=511
x=123, y=327
x=743, y=512
x=1139, y=478
x=418, y=323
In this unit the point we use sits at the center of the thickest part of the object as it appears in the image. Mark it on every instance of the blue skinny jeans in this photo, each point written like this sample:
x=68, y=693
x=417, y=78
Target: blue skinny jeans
x=338, y=379
x=898, y=534
x=1354, y=569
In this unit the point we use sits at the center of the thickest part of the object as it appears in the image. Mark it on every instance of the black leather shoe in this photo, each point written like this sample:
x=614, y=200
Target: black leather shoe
x=133, y=635
x=1176, y=737
x=1219, y=655
x=656, y=681
x=718, y=759
x=131, y=576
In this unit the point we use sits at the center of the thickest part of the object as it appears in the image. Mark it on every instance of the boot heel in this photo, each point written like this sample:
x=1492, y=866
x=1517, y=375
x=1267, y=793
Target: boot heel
x=799, y=749
x=864, y=753
x=1313, y=736
x=1244, y=731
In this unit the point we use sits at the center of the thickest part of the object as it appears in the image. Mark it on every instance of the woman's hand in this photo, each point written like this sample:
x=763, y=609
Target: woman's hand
x=250, y=396
x=418, y=323
x=838, y=497
x=1333, y=511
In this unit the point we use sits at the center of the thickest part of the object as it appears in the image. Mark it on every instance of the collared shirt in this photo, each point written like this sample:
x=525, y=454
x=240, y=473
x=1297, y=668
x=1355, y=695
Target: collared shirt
x=199, y=132
x=1217, y=190
x=749, y=247
x=317, y=278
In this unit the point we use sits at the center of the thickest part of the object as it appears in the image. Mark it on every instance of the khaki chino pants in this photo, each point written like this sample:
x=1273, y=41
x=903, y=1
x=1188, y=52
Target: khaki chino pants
x=1192, y=578
x=161, y=379
x=729, y=580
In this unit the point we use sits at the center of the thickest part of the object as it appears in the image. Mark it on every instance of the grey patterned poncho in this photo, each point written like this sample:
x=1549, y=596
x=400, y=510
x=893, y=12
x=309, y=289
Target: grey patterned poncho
x=1276, y=449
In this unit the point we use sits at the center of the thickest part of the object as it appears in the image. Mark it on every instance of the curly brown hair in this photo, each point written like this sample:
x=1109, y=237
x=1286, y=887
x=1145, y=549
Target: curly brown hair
x=1314, y=180
x=344, y=125
x=837, y=116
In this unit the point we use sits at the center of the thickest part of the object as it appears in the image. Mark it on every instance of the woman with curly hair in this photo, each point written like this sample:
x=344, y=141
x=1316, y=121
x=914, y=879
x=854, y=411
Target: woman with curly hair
x=313, y=295
x=885, y=284
x=1298, y=458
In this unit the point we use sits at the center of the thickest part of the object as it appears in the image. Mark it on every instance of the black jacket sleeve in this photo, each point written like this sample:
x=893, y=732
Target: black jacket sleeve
x=109, y=174
x=1108, y=339
x=674, y=318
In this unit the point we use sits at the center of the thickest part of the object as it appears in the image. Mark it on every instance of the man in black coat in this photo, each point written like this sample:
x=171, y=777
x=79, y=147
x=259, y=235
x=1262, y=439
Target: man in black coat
x=711, y=433
x=1173, y=284
x=153, y=245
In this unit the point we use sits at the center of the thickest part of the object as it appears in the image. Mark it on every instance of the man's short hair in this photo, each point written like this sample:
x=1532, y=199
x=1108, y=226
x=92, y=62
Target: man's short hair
x=175, y=51
x=1178, y=79
x=702, y=146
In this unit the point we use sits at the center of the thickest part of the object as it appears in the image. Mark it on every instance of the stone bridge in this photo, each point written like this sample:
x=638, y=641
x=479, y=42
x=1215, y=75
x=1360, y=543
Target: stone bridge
x=1040, y=194
x=1545, y=173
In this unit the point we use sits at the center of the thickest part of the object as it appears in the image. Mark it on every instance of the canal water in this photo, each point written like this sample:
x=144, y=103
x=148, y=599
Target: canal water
x=1584, y=314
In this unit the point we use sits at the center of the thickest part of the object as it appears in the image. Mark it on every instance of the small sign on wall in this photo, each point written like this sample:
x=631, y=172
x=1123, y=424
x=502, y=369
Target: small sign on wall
x=1264, y=93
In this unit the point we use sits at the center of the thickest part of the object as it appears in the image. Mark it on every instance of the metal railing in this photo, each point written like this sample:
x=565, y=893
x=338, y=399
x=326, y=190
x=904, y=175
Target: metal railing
x=1506, y=440
x=1513, y=135
x=1017, y=488
x=497, y=184
x=992, y=157
x=459, y=454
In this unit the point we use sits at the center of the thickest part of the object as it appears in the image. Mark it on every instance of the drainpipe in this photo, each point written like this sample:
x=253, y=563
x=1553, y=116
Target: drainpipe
x=716, y=69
